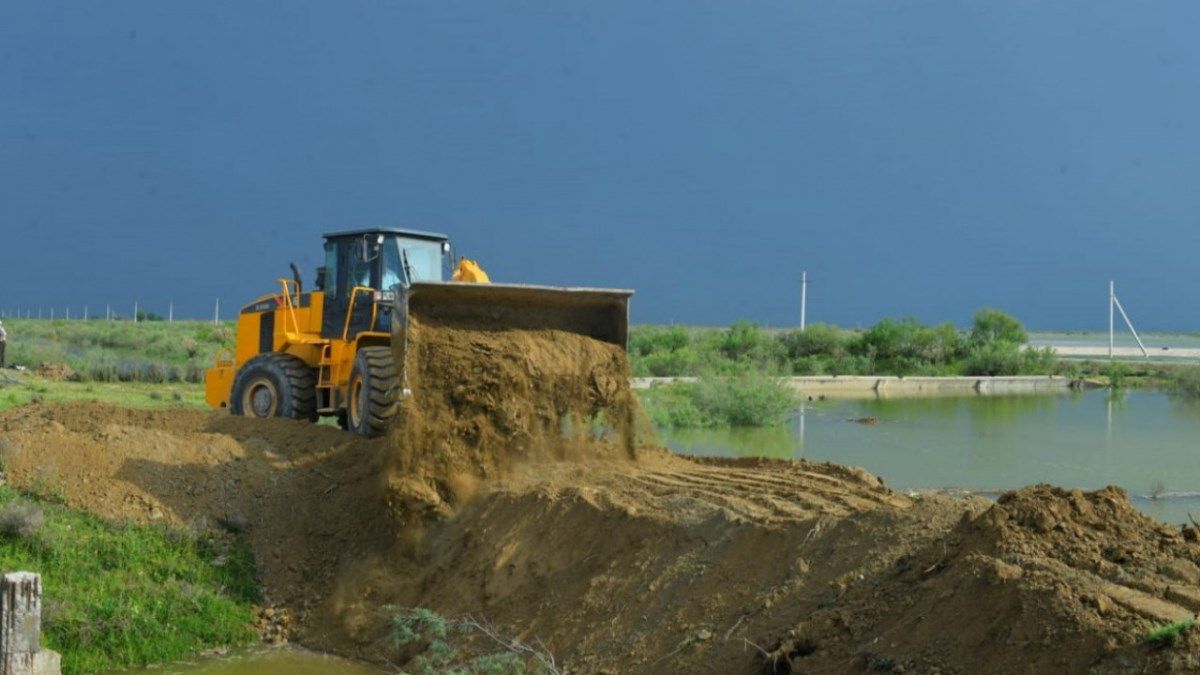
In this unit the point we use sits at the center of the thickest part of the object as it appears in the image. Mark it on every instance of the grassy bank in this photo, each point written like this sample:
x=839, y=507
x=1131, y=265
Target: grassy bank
x=119, y=595
x=119, y=351
x=17, y=388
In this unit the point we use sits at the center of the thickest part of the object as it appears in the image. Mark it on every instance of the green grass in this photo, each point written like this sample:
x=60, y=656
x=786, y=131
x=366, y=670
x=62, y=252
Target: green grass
x=111, y=351
x=1166, y=635
x=18, y=388
x=120, y=595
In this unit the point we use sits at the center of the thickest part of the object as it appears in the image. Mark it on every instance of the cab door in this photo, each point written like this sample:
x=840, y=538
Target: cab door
x=345, y=270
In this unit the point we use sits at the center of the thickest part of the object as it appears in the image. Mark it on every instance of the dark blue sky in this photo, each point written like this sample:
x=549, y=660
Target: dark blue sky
x=922, y=158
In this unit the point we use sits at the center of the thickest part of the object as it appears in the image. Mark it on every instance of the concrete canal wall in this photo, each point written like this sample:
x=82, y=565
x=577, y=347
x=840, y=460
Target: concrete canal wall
x=870, y=386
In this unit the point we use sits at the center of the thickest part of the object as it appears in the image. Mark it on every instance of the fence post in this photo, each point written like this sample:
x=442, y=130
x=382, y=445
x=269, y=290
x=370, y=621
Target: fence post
x=21, y=650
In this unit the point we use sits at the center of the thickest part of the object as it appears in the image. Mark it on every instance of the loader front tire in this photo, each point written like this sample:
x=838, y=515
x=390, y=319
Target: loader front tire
x=374, y=384
x=275, y=385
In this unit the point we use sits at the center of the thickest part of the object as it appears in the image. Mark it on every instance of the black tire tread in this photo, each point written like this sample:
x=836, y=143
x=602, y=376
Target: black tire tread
x=299, y=383
x=382, y=381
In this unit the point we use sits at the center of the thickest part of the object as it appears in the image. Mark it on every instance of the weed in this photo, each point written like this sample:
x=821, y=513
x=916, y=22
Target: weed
x=1166, y=635
x=433, y=644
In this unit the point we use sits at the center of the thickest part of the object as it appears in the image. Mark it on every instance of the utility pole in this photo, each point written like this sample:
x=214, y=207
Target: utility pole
x=85, y=312
x=135, y=311
x=68, y=314
x=803, y=298
x=171, y=312
x=1114, y=302
x=1112, y=295
x=108, y=312
x=217, y=312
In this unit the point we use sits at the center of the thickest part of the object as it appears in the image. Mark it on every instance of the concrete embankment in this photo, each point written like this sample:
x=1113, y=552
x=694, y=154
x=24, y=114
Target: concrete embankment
x=871, y=386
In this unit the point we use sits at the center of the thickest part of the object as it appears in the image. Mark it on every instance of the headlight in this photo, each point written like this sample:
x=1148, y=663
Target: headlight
x=385, y=296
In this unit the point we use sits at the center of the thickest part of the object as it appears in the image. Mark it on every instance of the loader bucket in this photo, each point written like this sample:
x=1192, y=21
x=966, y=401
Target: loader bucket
x=602, y=314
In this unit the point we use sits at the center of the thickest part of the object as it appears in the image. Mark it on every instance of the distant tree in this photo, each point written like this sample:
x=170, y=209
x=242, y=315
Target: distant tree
x=991, y=326
x=148, y=316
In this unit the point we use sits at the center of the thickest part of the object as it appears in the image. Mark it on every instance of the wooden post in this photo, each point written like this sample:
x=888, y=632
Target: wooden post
x=21, y=650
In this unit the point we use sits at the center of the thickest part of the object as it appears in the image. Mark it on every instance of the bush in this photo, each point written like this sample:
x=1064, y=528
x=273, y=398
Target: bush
x=751, y=399
x=674, y=406
x=991, y=359
x=748, y=400
x=905, y=346
x=819, y=339
x=992, y=325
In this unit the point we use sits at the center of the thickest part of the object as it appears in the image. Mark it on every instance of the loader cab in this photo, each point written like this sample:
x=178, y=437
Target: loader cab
x=364, y=269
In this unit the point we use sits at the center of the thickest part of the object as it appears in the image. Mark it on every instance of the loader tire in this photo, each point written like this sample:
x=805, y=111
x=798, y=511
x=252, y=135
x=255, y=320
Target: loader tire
x=275, y=385
x=374, y=382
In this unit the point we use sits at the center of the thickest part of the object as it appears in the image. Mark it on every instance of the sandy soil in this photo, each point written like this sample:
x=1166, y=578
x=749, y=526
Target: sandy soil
x=614, y=554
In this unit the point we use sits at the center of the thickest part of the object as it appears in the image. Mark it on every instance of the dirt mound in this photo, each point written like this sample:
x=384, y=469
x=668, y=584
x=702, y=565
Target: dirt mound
x=1045, y=580
x=654, y=566
x=486, y=399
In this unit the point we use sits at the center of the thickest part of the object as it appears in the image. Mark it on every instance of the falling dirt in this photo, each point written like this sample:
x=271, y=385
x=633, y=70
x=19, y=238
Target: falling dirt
x=484, y=401
x=513, y=492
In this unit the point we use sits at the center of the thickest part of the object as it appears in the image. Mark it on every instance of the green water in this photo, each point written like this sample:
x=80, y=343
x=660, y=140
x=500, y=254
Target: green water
x=284, y=661
x=1144, y=441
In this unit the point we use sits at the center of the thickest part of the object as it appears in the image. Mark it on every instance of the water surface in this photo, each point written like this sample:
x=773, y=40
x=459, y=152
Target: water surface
x=1144, y=441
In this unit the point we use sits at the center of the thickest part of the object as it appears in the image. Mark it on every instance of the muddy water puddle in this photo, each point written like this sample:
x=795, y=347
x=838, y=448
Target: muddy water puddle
x=285, y=661
x=1146, y=442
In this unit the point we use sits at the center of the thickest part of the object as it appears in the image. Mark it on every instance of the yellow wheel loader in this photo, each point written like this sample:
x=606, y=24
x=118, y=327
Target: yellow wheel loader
x=329, y=351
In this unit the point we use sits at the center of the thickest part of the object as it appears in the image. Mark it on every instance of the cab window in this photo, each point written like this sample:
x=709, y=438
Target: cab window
x=331, y=270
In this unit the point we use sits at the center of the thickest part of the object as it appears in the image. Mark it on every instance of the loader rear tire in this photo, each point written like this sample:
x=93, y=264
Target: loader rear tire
x=374, y=384
x=275, y=385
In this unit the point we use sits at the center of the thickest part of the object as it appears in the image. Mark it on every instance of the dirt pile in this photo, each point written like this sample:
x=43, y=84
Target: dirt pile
x=486, y=399
x=653, y=566
x=1044, y=580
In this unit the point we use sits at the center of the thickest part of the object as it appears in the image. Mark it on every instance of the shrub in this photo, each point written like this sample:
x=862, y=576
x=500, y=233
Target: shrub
x=1116, y=372
x=747, y=400
x=905, y=346
x=991, y=325
x=819, y=339
x=1036, y=361
x=748, y=343
x=750, y=399
x=674, y=407
x=995, y=358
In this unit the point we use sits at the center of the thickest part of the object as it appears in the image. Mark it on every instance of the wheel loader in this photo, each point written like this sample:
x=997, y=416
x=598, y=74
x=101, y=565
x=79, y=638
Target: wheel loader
x=340, y=349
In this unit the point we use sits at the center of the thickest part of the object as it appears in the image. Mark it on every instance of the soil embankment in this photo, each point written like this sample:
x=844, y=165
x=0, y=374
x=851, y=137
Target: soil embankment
x=514, y=491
